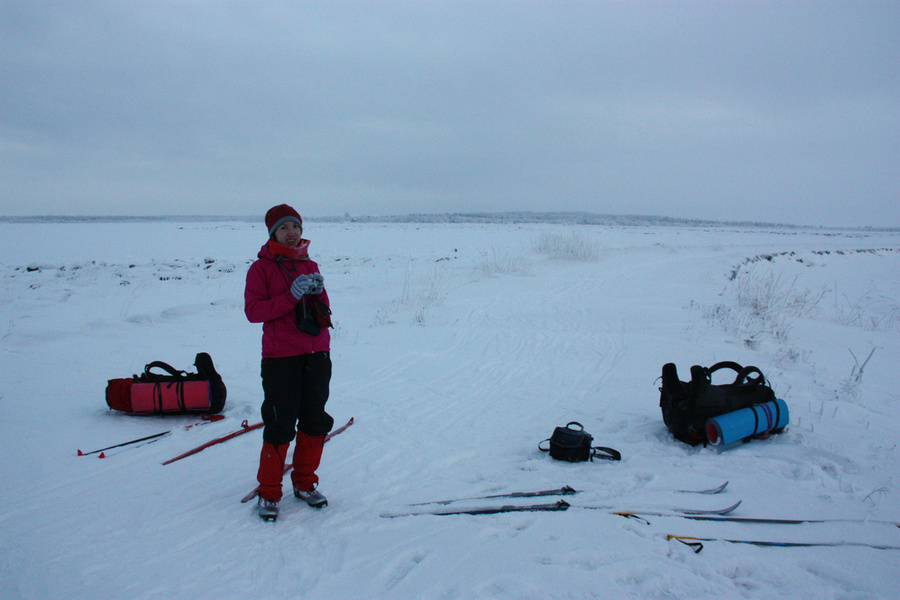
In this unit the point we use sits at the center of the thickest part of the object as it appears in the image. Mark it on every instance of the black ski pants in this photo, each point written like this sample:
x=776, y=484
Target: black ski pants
x=296, y=390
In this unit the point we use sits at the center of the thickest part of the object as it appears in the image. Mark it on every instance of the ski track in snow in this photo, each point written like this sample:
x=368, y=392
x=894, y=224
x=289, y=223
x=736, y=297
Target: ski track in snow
x=457, y=348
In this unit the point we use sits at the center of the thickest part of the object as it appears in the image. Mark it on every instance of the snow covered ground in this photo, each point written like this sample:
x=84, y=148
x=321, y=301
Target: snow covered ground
x=457, y=348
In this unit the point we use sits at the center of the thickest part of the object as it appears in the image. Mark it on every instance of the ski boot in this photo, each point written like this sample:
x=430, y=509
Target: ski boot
x=312, y=497
x=268, y=509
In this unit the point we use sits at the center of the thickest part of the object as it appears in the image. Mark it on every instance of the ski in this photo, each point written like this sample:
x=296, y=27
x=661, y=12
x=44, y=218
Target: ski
x=696, y=544
x=206, y=419
x=777, y=521
x=559, y=505
x=562, y=491
x=669, y=511
x=288, y=468
x=339, y=430
x=563, y=505
x=245, y=427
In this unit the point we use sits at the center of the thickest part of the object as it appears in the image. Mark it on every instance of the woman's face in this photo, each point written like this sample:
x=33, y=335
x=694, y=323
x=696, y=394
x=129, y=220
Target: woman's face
x=289, y=233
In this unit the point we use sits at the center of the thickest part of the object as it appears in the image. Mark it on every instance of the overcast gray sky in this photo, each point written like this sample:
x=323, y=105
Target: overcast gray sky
x=772, y=111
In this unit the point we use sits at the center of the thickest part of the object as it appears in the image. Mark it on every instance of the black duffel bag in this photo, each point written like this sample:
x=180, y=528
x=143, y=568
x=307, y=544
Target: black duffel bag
x=687, y=406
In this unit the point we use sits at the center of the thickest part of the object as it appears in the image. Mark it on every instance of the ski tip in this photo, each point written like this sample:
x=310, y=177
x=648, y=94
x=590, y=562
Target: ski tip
x=729, y=509
x=719, y=512
x=716, y=490
x=80, y=453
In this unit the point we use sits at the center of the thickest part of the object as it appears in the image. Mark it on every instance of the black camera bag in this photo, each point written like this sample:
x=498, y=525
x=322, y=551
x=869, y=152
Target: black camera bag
x=574, y=445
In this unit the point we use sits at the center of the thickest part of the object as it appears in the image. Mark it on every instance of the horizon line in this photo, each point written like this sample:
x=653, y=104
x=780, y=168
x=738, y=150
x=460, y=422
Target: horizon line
x=550, y=217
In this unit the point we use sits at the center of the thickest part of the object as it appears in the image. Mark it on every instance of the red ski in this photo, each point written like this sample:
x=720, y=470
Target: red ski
x=245, y=427
x=288, y=468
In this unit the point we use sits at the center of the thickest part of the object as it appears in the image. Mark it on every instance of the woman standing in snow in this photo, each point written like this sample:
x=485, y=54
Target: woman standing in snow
x=285, y=293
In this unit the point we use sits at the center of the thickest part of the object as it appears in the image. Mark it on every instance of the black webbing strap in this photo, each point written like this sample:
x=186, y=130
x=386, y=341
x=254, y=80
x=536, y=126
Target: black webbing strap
x=164, y=366
x=179, y=395
x=771, y=422
x=605, y=453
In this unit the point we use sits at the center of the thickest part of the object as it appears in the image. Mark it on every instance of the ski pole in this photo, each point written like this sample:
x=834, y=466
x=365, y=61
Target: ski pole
x=206, y=419
x=143, y=439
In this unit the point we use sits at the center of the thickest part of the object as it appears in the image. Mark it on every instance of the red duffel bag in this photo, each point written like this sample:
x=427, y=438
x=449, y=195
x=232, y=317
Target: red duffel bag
x=170, y=392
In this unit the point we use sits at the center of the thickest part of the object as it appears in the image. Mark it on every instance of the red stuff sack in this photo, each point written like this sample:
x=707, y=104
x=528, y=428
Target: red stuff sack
x=170, y=397
x=118, y=394
x=173, y=392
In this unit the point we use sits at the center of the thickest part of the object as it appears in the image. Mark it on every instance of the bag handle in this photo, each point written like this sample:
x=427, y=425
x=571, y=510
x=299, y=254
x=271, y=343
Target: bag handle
x=165, y=367
x=745, y=375
x=725, y=364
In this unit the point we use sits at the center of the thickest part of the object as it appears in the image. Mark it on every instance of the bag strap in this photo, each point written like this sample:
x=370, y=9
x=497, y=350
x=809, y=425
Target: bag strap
x=605, y=453
x=725, y=364
x=288, y=276
x=165, y=367
x=158, y=395
x=772, y=419
x=570, y=423
x=745, y=373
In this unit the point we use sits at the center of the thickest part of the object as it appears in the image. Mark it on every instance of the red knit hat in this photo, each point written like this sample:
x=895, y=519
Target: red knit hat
x=279, y=215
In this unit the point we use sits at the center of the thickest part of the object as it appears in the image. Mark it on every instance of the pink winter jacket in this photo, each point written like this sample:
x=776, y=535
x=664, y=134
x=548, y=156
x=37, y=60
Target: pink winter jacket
x=268, y=300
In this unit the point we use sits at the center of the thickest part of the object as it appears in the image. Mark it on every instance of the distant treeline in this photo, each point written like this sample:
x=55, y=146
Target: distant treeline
x=512, y=218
